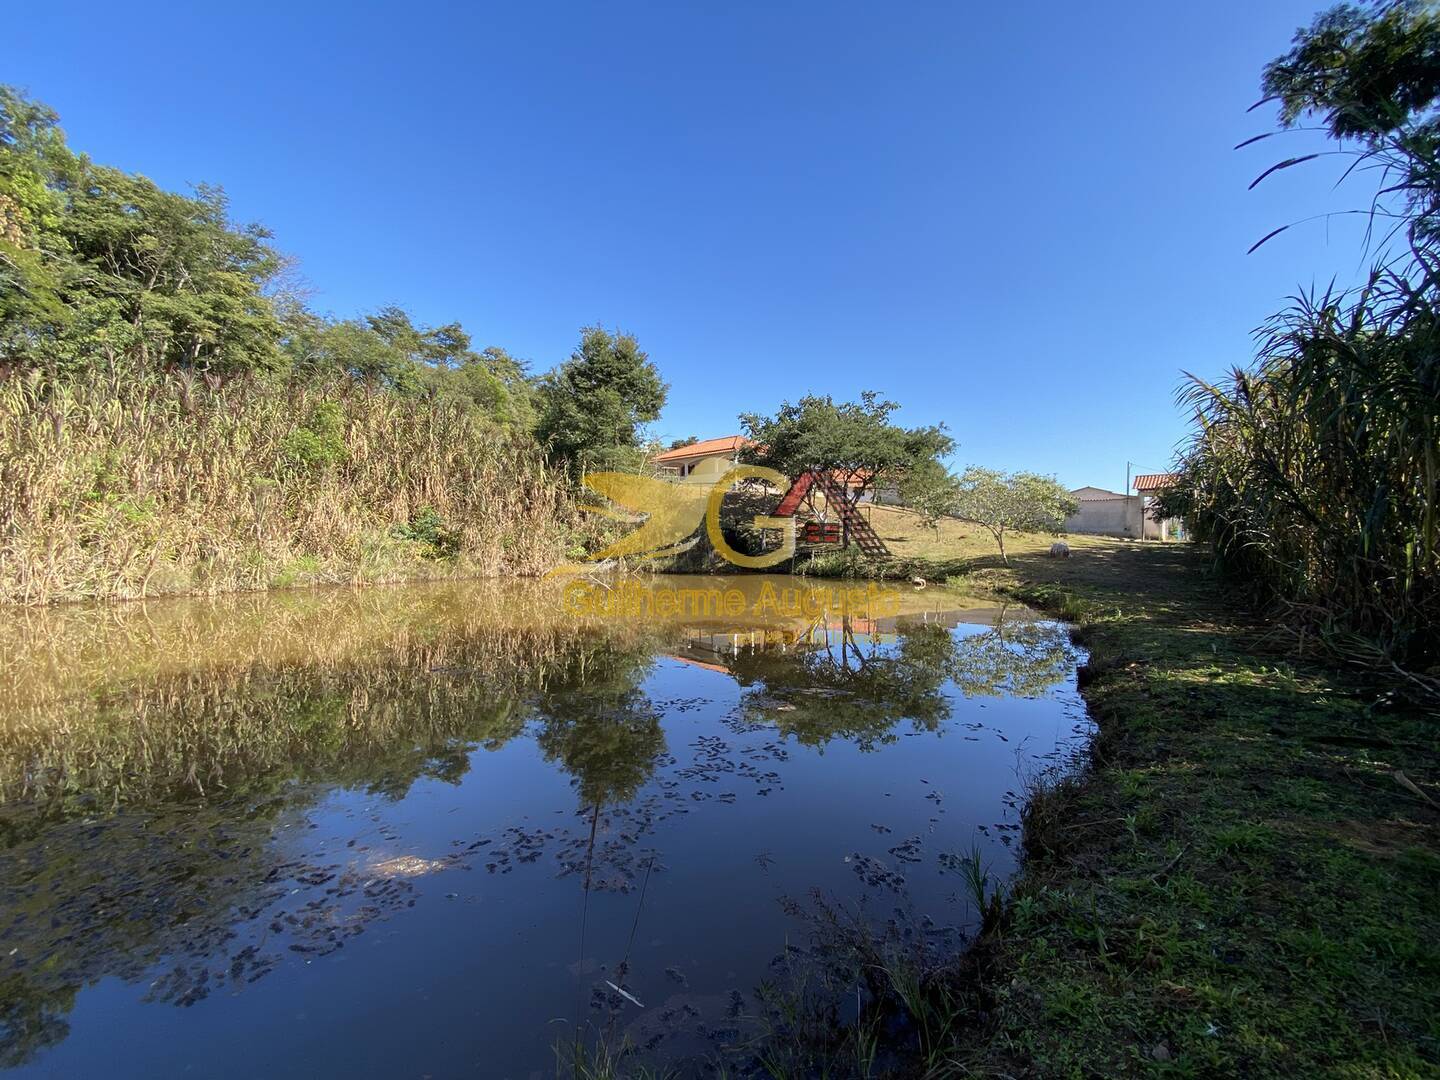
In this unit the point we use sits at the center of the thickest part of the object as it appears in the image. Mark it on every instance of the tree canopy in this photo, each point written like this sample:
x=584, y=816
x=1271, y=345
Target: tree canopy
x=1003, y=502
x=1371, y=75
x=97, y=259
x=1368, y=71
x=592, y=408
x=854, y=440
x=929, y=489
x=97, y=264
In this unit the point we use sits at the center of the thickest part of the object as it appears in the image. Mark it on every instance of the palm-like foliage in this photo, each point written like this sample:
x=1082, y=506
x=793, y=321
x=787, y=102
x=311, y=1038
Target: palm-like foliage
x=1314, y=473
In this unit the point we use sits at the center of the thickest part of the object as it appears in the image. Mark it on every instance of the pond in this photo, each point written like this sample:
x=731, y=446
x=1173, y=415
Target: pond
x=444, y=829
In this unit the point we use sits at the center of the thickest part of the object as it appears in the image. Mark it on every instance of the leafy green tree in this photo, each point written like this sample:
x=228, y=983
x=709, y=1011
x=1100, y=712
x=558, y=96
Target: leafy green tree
x=96, y=260
x=930, y=490
x=186, y=281
x=1003, y=502
x=501, y=385
x=854, y=440
x=34, y=163
x=97, y=263
x=352, y=346
x=389, y=350
x=1371, y=75
x=593, y=406
x=1368, y=71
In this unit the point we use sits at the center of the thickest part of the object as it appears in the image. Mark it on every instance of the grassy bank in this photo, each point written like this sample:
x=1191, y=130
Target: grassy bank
x=950, y=549
x=128, y=482
x=1242, y=882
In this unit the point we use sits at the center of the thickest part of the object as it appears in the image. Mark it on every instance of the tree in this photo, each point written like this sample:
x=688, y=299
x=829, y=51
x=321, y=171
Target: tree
x=169, y=276
x=503, y=384
x=1368, y=72
x=1312, y=472
x=34, y=163
x=1012, y=502
x=930, y=490
x=592, y=407
x=1371, y=75
x=389, y=350
x=94, y=260
x=854, y=441
x=598, y=723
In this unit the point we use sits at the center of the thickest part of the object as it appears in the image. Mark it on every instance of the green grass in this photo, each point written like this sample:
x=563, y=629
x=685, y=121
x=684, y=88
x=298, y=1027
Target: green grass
x=1237, y=885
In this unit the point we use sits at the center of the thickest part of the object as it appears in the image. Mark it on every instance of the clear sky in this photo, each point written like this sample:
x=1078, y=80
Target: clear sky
x=1022, y=220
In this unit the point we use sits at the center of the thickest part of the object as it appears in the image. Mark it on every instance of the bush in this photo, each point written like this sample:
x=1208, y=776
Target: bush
x=320, y=442
x=428, y=529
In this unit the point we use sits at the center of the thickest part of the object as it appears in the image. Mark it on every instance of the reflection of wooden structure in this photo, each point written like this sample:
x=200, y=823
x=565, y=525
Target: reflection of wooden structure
x=711, y=649
x=816, y=524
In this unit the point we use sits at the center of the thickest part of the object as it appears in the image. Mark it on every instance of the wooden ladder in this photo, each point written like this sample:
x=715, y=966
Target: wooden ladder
x=856, y=526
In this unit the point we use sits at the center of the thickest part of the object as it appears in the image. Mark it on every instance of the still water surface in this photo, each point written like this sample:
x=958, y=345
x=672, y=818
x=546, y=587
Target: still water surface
x=430, y=830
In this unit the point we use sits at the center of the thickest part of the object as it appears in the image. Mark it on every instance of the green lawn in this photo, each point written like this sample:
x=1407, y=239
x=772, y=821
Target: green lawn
x=954, y=540
x=1238, y=884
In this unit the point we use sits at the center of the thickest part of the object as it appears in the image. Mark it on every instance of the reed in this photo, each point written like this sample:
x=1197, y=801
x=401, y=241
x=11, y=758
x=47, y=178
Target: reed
x=1314, y=474
x=125, y=482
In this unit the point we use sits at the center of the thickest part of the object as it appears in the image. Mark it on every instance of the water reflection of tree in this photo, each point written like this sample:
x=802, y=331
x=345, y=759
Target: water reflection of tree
x=601, y=727
x=851, y=689
x=859, y=689
x=139, y=829
x=1013, y=658
x=378, y=721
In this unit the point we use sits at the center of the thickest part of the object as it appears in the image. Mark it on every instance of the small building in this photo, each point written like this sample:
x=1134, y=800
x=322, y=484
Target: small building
x=684, y=461
x=1148, y=488
x=1111, y=513
x=1105, y=513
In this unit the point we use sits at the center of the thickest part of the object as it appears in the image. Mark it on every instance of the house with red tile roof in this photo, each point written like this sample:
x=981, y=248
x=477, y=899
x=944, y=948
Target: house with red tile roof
x=1110, y=513
x=685, y=460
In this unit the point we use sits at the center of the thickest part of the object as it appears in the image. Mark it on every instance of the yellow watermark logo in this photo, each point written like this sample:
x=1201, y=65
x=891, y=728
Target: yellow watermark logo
x=673, y=512
x=768, y=601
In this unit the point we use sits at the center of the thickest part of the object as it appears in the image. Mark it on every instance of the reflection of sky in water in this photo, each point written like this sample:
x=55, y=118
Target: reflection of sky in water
x=418, y=907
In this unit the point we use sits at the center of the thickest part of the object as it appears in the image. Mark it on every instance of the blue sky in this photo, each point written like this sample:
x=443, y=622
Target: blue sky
x=1024, y=220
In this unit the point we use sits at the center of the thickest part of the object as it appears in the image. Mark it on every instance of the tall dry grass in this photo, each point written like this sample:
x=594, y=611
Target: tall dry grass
x=126, y=482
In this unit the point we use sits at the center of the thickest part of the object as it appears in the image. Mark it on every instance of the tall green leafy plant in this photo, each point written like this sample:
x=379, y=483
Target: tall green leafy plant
x=1313, y=472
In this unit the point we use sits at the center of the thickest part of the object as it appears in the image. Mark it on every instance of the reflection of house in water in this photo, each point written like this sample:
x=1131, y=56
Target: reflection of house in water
x=710, y=646
x=705, y=647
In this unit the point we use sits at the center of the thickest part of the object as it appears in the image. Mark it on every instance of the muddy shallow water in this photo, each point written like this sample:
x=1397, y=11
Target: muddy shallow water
x=439, y=830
